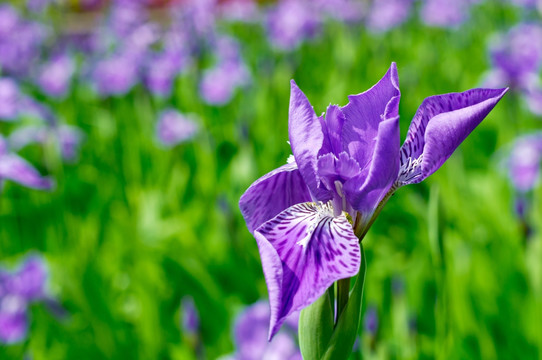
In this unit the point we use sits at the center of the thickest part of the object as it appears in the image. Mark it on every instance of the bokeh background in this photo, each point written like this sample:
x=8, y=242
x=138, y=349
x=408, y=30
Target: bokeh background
x=148, y=119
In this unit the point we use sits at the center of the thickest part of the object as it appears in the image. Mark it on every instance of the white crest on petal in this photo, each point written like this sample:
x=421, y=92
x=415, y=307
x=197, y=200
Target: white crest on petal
x=410, y=171
x=322, y=211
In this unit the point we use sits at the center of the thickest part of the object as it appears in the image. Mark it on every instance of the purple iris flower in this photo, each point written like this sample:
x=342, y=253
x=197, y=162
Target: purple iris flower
x=38, y=6
x=528, y=4
x=20, y=42
x=370, y=320
x=307, y=215
x=250, y=335
x=125, y=17
x=15, y=168
x=516, y=56
x=9, y=99
x=115, y=75
x=342, y=10
x=189, y=316
x=523, y=163
x=387, y=14
x=533, y=96
x=18, y=289
x=55, y=76
x=174, y=128
x=290, y=22
x=219, y=83
x=162, y=69
x=442, y=13
x=239, y=10
x=9, y=19
x=200, y=15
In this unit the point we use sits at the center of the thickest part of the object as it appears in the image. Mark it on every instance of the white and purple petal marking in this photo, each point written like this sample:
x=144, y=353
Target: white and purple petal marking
x=304, y=250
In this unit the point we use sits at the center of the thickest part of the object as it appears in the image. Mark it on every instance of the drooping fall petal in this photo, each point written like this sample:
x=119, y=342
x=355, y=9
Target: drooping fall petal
x=304, y=250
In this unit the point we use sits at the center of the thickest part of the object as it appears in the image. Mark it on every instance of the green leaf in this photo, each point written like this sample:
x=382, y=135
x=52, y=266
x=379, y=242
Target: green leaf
x=316, y=326
x=343, y=337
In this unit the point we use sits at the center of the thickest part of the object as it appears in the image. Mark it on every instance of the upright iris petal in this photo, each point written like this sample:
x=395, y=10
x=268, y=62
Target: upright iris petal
x=306, y=139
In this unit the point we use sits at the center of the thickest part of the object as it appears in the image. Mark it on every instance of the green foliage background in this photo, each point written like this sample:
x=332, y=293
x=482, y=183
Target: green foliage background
x=132, y=228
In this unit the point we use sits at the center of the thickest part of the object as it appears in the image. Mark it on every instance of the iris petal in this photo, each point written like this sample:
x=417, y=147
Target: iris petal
x=304, y=250
x=306, y=139
x=332, y=127
x=365, y=191
x=271, y=194
x=441, y=123
x=364, y=112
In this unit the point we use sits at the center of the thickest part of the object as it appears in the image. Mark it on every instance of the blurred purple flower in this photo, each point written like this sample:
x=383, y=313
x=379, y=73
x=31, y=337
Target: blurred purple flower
x=342, y=10
x=199, y=16
x=443, y=13
x=189, y=316
x=115, y=75
x=219, y=83
x=38, y=6
x=30, y=279
x=15, y=168
x=125, y=17
x=397, y=286
x=239, y=10
x=138, y=43
x=55, y=76
x=370, y=321
x=290, y=22
x=174, y=128
x=533, y=95
x=13, y=319
x=523, y=162
x=40, y=111
x=162, y=69
x=18, y=289
x=9, y=19
x=20, y=42
x=528, y=4
x=9, y=99
x=517, y=55
x=250, y=334
x=384, y=15
x=68, y=138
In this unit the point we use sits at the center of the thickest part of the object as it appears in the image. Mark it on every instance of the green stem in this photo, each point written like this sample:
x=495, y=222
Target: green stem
x=343, y=288
x=360, y=230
